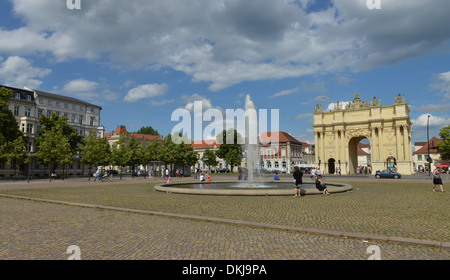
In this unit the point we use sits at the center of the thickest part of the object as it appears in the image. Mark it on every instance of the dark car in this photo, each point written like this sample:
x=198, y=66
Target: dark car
x=387, y=174
x=224, y=170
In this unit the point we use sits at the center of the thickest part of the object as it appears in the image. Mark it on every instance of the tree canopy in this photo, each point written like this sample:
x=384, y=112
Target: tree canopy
x=148, y=130
x=9, y=130
x=444, y=146
x=230, y=149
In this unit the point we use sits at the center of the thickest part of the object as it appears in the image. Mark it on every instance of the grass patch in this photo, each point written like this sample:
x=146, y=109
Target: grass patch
x=401, y=209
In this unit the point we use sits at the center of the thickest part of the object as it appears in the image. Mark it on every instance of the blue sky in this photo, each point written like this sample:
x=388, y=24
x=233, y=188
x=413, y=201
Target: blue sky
x=141, y=60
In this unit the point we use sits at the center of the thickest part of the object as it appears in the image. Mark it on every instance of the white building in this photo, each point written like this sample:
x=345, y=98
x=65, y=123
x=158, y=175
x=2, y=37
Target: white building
x=28, y=105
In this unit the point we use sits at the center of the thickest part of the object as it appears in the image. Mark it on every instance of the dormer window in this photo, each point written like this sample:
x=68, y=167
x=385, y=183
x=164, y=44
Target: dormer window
x=17, y=95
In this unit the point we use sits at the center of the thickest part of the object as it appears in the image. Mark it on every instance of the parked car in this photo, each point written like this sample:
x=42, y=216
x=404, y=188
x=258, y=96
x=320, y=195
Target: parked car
x=224, y=170
x=387, y=174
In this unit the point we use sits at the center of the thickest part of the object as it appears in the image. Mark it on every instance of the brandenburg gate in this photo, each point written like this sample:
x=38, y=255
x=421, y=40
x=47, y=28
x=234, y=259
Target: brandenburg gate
x=388, y=128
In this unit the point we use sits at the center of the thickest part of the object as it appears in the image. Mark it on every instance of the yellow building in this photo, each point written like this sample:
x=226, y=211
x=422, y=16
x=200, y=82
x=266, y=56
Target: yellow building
x=388, y=128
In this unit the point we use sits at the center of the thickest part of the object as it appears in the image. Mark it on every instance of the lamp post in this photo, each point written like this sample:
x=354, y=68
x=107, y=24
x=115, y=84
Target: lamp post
x=428, y=145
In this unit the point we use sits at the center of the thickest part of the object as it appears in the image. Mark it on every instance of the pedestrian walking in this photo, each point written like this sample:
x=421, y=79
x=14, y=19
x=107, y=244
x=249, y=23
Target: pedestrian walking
x=298, y=180
x=150, y=174
x=97, y=175
x=437, y=180
x=167, y=173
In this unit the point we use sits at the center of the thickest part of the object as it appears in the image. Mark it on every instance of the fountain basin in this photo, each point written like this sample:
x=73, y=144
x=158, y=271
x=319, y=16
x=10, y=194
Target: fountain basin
x=243, y=188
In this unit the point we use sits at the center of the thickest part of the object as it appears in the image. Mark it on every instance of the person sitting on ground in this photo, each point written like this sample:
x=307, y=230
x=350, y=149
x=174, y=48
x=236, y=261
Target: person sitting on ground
x=276, y=177
x=321, y=186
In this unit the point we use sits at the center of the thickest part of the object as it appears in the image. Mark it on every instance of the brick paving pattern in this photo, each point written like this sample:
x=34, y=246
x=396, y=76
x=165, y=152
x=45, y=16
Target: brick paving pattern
x=39, y=230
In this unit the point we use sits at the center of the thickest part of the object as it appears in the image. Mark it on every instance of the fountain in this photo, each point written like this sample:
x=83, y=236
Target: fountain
x=251, y=187
x=251, y=137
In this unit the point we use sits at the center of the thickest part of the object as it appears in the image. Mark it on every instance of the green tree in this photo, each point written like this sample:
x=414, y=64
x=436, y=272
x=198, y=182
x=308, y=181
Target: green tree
x=148, y=130
x=444, y=146
x=135, y=153
x=210, y=158
x=168, y=152
x=151, y=151
x=56, y=123
x=230, y=149
x=54, y=148
x=119, y=152
x=9, y=130
x=15, y=153
x=96, y=151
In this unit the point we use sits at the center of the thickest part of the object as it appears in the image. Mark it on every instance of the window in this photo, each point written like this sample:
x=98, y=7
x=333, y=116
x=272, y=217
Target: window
x=27, y=112
x=49, y=102
x=72, y=119
x=41, y=101
x=80, y=120
x=49, y=114
x=91, y=122
x=17, y=95
x=74, y=107
x=40, y=112
x=30, y=146
x=16, y=111
x=419, y=157
x=57, y=104
x=28, y=97
x=29, y=128
x=66, y=105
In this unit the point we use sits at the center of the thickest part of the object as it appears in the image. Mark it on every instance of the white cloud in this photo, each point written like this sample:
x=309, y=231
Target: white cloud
x=435, y=122
x=286, y=92
x=190, y=99
x=18, y=72
x=80, y=85
x=342, y=103
x=441, y=84
x=146, y=92
x=225, y=42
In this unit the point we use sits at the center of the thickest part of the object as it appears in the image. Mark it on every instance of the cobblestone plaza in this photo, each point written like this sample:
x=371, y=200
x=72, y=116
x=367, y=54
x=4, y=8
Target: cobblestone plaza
x=127, y=220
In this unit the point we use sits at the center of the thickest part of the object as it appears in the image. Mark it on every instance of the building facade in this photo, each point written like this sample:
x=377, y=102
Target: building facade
x=200, y=147
x=28, y=105
x=422, y=150
x=283, y=155
x=388, y=129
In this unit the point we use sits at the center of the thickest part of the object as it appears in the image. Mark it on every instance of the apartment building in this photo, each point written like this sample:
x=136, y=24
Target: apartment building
x=28, y=105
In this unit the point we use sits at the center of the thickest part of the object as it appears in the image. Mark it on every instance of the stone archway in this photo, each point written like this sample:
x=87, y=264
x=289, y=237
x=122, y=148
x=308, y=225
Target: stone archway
x=331, y=166
x=388, y=128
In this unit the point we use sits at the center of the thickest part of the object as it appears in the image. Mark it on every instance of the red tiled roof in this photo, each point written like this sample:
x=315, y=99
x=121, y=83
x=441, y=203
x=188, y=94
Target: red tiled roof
x=205, y=144
x=123, y=130
x=283, y=137
x=434, y=149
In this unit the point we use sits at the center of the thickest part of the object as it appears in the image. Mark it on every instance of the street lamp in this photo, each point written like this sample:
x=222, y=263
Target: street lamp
x=428, y=145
